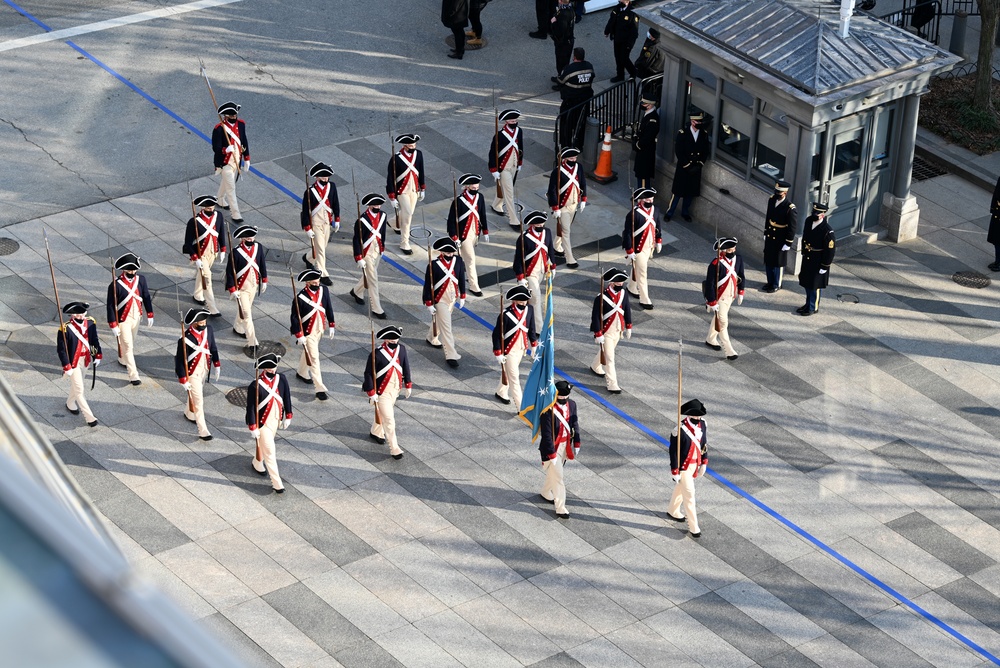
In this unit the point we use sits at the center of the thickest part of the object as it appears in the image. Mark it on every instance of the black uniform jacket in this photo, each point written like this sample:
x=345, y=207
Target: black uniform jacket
x=780, y=227
x=119, y=294
x=818, y=248
x=305, y=308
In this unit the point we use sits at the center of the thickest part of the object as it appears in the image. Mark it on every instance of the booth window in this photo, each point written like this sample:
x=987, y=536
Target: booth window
x=735, y=124
x=769, y=158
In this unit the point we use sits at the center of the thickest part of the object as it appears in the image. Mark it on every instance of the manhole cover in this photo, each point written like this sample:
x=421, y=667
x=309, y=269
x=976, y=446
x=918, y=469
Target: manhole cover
x=450, y=41
x=420, y=233
x=924, y=169
x=266, y=347
x=971, y=279
x=8, y=246
x=848, y=298
x=237, y=397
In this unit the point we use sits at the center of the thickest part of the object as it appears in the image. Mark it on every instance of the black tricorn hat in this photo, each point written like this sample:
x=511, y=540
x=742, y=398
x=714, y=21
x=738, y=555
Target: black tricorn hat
x=228, y=108
x=509, y=114
x=643, y=193
x=373, y=199
x=76, y=308
x=469, y=179
x=205, y=200
x=614, y=274
x=445, y=245
x=196, y=314
x=535, y=218
x=694, y=408
x=320, y=169
x=563, y=388
x=268, y=361
x=309, y=274
x=725, y=243
x=518, y=293
x=408, y=138
x=390, y=332
x=128, y=261
x=245, y=232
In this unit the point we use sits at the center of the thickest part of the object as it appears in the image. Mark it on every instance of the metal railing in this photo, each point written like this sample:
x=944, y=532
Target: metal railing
x=617, y=107
x=931, y=31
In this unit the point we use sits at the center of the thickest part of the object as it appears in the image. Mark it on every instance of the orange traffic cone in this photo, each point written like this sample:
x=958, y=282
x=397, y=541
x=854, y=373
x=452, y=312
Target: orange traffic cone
x=604, y=174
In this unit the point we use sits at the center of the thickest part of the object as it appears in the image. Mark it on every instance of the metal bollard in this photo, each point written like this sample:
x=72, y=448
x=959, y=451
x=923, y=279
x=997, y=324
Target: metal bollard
x=591, y=138
x=957, y=43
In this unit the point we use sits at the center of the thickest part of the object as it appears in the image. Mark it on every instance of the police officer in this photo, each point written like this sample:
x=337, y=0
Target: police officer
x=269, y=407
x=505, y=159
x=560, y=441
x=561, y=30
x=644, y=144
x=622, y=29
x=78, y=347
x=818, y=249
x=692, y=148
x=369, y=244
x=780, y=227
x=543, y=14
x=444, y=286
x=204, y=243
x=232, y=154
x=533, y=257
x=723, y=285
x=650, y=62
x=567, y=196
x=610, y=321
x=196, y=354
x=513, y=335
x=687, y=462
x=320, y=212
x=128, y=299
x=466, y=222
x=383, y=383
x=312, y=313
x=640, y=237
x=576, y=86
x=246, y=274
x=404, y=184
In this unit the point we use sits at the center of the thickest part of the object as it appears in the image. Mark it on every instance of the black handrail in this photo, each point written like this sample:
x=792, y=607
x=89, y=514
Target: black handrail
x=932, y=30
x=617, y=107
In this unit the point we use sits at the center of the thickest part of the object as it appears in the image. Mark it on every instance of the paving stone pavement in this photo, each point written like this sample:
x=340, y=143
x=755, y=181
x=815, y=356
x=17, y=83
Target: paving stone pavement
x=871, y=426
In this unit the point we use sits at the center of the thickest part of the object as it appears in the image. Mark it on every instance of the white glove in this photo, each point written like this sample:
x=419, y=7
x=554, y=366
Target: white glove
x=523, y=282
x=187, y=386
x=496, y=176
x=198, y=264
x=68, y=372
x=822, y=271
x=583, y=205
x=373, y=399
x=263, y=288
x=659, y=247
x=395, y=203
x=406, y=395
x=486, y=238
x=786, y=247
x=218, y=170
x=676, y=477
x=553, y=272
x=216, y=372
x=300, y=340
x=599, y=340
x=116, y=331
x=149, y=322
x=336, y=226
x=229, y=149
x=255, y=433
x=630, y=257
x=97, y=362
x=330, y=335
x=310, y=234
x=361, y=263
x=739, y=300
x=246, y=166
x=432, y=309
x=701, y=470
x=628, y=333
x=519, y=168
x=222, y=256
x=557, y=213
x=422, y=194
x=461, y=303
x=712, y=308
x=232, y=295
x=502, y=359
x=286, y=423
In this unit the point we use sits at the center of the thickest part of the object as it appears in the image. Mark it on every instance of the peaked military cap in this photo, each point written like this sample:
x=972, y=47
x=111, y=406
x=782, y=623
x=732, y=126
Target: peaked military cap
x=309, y=274
x=782, y=186
x=614, y=274
x=518, y=293
x=205, y=201
x=245, y=232
x=408, y=139
x=819, y=207
x=563, y=388
x=228, y=108
x=76, y=308
x=268, y=361
x=445, y=245
x=128, y=261
x=390, y=332
x=725, y=243
x=320, y=169
x=469, y=179
x=535, y=218
x=696, y=116
x=193, y=315
x=509, y=115
x=373, y=199
x=569, y=152
x=646, y=100
x=694, y=408
x=643, y=193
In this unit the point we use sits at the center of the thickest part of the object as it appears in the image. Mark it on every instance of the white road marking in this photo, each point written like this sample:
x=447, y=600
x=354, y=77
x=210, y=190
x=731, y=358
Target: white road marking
x=68, y=33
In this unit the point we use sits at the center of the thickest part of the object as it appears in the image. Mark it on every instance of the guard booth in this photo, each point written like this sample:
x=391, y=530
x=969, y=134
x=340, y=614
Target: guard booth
x=800, y=91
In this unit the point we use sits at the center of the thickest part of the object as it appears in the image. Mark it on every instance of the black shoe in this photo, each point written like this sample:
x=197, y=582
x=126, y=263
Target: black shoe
x=135, y=382
x=769, y=289
x=434, y=345
x=802, y=309
x=646, y=307
x=398, y=457
x=476, y=293
x=506, y=402
x=556, y=87
x=359, y=300
x=206, y=438
x=599, y=375
x=305, y=258
x=377, y=439
x=713, y=346
x=241, y=335
x=617, y=79
x=732, y=358
x=676, y=519
x=995, y=266
x=634, y=294
x=326, y=280
x=668, y=217
x=572, y=265
x=559, y=253
x=455, y=56
x=694, y=535
x=199, y=302
x=452, y=363
x=552, y=501
x=494, y=210
x=538, y=34
x=614, y=391
x=264, y=472
x=554, y=79
x=303, y=378
x=224, y=208
x=73, y=411
x=93, y=423
x=237, y=220
x=686, y=217
x=279, y=491
x=380, y=316
x=322, y=396
x=562, y=516
x=406, y=251
x=398, y=231
x=809, y=312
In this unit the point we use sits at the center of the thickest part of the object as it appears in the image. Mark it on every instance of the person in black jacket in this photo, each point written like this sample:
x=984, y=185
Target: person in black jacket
x=993, y=236
x=387, y=374
x=575, y=85
x=269, y=407
x=560, y=440
x=724, y=283
x=196, y=356
x=692, y=148
x=466, y=222
x=780, y=227
x=644, y=144
x=78, y=347
x=455, y=16
x=563, y=25
x=688, y=460
x=513, y=336
x=128, y=299
x=231, y=155
x=818, y=249
x=622, y=29
x=544, y=9
x=320, y=212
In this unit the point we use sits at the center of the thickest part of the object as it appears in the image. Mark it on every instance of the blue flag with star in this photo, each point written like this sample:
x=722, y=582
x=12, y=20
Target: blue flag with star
x=540, y=388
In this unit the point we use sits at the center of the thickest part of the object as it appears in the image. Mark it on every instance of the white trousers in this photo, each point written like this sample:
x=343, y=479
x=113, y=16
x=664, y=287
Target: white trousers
x=76, y=399
x=372, y=259
x=245, y=299
x=407, y=205
x=554, y=488
x=512, y=390
x=506, y=203
x=468, y=251
x=321, y=227
x=312, y=372
x=684, y=493
x=227, y=190
x=203, y=290
x=197, y=380
x=611, y=339
x=387, y=414
x=129, y=330
x=265, y=442
x=638, y=281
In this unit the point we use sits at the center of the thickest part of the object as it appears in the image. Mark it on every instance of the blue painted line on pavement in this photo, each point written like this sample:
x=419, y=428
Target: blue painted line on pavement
x=660, y=440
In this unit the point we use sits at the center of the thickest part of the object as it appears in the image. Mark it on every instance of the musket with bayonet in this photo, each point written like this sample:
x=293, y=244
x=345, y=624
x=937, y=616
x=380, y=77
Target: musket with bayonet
x=114, y=297
x=308, y=202
x=187, y=368
x=197, y=249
